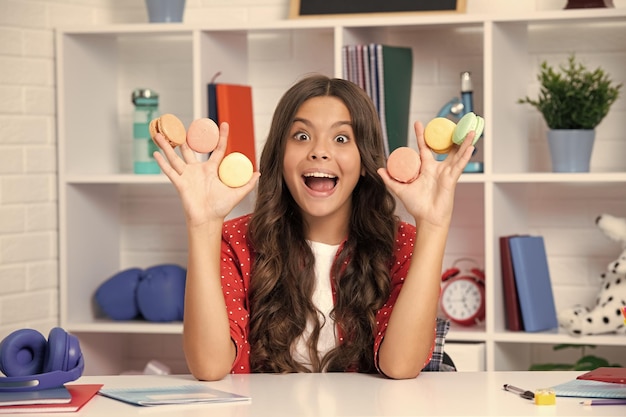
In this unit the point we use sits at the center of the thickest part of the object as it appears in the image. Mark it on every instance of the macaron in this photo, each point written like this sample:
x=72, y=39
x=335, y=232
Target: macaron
x=403, y=164
x=468, y=122
x=152, y=128
x=235, y=170
x=170, y=127
x=202, y=135
x=438, y=134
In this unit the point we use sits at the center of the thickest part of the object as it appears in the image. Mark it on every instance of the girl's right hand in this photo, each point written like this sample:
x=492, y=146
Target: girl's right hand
x=204, y=196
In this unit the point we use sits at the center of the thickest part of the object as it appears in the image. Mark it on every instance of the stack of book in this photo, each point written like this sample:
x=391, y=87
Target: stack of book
x=385, y=73
x=606, y=385
x=64, y=399
x=528, y=299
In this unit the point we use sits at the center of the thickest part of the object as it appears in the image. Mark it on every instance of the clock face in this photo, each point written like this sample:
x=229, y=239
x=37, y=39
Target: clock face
x=463, y=300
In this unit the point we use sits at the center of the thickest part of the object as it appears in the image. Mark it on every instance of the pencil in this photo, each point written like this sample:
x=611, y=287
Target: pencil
x=604, y=402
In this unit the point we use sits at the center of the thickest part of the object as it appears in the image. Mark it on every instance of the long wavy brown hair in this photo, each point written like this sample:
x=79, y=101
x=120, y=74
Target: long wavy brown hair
x=283, y=277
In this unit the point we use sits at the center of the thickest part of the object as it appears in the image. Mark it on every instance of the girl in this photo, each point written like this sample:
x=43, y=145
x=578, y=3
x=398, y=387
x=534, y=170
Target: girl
x=322, y=276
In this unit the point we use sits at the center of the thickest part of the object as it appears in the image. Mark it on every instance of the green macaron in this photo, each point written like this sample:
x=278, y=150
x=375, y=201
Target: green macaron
x=468, y=123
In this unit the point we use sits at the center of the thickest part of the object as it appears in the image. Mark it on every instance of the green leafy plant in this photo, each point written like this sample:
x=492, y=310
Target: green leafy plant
x=585, y=363
x=574, y=97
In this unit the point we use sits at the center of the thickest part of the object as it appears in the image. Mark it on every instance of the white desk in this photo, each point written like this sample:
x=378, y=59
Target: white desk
x=430, y=394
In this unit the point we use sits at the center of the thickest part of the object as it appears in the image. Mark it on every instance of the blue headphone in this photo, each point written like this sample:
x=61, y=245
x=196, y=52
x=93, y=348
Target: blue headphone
x=31, y=363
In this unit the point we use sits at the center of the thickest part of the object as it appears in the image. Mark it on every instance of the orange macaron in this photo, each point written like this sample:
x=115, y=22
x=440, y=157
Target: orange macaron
x=170, y=126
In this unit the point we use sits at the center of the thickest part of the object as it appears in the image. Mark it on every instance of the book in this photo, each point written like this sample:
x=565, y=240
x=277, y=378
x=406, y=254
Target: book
x=366, y=70
x=212, y=102
x=179, y=394
x=374, y=76
x=532, y=280
x=234, y=105
x=397, y=67
x=512, y=310
x=590, y=389
x=80, y=394
x=58, y=395
x=380, y=71
x=614, y=375
x=385, y=73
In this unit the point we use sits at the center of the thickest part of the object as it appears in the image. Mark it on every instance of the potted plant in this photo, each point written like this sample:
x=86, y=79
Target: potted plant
x=573, y=101
x=585, y=363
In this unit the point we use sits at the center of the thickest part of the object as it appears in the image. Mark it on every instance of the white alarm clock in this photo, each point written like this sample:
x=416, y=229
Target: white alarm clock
x=463, y=295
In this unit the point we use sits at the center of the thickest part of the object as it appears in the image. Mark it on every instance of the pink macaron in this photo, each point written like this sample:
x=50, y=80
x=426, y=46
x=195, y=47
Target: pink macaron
x=403, y=164
x=202, y=135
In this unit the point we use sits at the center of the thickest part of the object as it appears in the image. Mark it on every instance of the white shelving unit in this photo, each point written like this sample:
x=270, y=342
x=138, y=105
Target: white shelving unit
x=105, y=209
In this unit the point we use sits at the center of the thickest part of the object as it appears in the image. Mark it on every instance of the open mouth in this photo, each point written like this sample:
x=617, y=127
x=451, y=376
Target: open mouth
x=319, y=181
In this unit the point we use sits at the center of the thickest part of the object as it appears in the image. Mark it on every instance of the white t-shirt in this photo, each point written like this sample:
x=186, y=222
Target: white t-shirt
x=323, y=300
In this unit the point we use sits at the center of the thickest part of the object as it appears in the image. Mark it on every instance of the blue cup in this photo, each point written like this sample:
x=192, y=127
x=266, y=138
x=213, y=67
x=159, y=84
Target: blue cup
x=165, y=11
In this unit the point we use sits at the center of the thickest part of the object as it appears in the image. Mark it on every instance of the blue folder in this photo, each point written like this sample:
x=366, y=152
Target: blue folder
x=532, y=279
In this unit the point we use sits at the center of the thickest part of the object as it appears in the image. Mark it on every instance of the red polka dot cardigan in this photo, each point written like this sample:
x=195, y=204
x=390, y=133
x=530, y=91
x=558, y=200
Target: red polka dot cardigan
x=236, y=263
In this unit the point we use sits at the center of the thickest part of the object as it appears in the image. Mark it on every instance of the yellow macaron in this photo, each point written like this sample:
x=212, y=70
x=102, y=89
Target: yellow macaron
x=438, y=134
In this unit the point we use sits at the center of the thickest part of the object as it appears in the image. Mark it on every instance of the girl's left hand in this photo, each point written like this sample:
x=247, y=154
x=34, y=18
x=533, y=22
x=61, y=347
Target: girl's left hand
x=430, y=198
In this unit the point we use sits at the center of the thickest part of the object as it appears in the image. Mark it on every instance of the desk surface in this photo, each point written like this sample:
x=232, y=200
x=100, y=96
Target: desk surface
x=347, y=394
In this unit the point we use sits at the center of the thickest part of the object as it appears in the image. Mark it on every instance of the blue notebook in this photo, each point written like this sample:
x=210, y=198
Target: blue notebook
x=182, y=394
x=590, y=389
x=532, y=280
x=59, y=395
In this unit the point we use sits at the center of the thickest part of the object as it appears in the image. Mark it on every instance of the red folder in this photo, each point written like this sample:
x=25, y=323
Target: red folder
x=606, y=374
x=234, y=105
x=81, y=394
x=512, y=309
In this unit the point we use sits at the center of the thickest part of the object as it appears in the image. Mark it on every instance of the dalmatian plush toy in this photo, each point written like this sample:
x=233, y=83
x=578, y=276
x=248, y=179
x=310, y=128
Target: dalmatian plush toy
x=606, y=315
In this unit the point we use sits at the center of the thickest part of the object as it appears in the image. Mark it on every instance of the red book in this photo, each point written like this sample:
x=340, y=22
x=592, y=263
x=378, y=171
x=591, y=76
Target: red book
x=512, y=309
x=234, y=105
x=81, y=394
x=605, y=374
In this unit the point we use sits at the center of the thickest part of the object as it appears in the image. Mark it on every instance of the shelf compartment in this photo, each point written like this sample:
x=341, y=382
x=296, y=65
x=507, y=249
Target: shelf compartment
x=97, y=75
x=518, y=130
x=564, y=214
x=109, y=228
x=520, y=356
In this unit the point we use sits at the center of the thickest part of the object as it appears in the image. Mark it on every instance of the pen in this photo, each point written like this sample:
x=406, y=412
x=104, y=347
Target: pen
x=604, y=402
x=529, y=395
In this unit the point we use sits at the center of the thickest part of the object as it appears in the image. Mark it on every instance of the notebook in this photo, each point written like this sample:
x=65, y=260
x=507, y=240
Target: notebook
x=58, y=395
x=181, y=394
x=80, y=395
x=590, y=389
x=606, y=374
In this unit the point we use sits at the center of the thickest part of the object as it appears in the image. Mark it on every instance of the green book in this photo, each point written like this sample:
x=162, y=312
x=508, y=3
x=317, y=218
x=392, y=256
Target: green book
x=397, y=72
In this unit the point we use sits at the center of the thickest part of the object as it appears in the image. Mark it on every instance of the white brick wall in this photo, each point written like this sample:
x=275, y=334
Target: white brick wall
x=28, y=195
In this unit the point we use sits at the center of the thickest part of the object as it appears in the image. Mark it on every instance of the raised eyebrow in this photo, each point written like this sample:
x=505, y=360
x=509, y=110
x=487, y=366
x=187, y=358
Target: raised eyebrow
x=342, y=123
x=334, y=125
x=301, y=120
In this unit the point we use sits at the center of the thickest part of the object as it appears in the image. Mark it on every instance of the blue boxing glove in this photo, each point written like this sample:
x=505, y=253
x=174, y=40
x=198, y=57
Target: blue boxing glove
x=116, y=295
x=161, y=293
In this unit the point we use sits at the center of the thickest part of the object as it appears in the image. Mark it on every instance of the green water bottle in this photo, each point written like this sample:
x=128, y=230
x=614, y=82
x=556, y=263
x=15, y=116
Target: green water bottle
x=146, y=103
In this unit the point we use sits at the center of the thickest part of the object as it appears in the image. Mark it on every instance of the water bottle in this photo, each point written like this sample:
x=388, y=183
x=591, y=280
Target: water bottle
x=146, y=103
